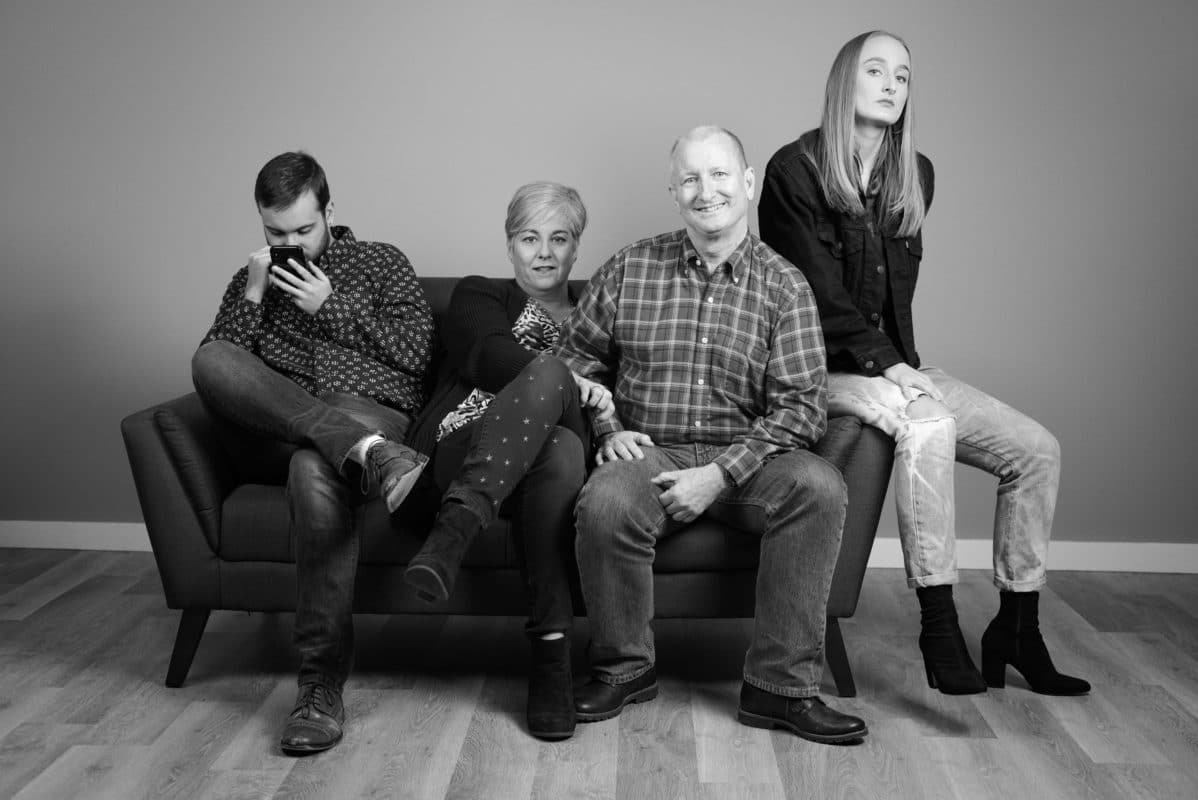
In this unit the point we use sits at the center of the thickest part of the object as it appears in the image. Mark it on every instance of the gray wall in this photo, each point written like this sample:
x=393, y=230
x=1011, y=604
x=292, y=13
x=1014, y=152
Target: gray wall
x=1059, y=272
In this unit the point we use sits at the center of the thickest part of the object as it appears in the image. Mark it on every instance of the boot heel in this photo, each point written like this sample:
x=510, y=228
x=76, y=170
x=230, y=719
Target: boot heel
x=994, y=670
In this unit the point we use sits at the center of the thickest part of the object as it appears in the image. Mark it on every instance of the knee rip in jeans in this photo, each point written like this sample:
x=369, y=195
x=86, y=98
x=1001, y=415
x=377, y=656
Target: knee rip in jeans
x=925, y=409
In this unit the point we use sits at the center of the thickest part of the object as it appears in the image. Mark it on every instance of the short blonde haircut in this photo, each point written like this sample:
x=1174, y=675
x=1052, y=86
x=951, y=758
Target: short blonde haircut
x=534, y=202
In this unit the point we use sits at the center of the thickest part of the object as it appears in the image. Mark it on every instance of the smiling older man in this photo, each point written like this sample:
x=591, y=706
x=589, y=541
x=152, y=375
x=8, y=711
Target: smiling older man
x=712, y=343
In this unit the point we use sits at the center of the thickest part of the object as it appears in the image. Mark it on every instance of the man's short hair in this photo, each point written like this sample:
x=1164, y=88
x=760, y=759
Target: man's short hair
x=287, y=176
x=704, y=131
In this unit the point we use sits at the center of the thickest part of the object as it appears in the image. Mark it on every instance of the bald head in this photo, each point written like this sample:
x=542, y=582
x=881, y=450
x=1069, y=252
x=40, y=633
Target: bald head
x=704, y=132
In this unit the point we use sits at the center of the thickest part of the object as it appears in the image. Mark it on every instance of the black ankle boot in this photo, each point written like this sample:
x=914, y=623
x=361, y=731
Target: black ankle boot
x=550, y=707
x=1013, y=637
x=946, y=660
x=434, y=569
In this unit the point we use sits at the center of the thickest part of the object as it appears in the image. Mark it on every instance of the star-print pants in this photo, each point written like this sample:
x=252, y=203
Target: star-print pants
x=525, y=458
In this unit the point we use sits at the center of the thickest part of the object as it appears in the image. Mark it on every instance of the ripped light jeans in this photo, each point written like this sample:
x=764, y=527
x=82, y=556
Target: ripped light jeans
x=981, y=432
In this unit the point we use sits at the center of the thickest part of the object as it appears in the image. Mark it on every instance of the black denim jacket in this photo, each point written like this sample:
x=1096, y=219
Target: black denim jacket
x=830, y=249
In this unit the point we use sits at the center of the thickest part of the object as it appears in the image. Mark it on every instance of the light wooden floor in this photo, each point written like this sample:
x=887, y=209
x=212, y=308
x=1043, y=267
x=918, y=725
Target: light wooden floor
x=436, y=704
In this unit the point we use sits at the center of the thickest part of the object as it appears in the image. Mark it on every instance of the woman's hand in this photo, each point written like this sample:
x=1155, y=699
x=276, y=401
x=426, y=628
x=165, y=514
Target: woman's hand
x=622, y=446
x=912, y=382
x=595, y=396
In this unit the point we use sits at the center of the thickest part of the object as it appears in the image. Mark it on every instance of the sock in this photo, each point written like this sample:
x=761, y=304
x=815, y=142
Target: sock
x=357, y=453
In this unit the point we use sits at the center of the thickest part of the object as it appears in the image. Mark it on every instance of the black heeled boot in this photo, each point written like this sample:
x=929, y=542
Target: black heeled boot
x=550, y=708
x=946, y=660
x=434, y=569
x=1013, y=637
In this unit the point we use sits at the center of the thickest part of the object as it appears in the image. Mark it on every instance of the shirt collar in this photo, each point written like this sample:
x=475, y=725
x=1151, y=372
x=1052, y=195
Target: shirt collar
x=738, y=262
x=342, y=240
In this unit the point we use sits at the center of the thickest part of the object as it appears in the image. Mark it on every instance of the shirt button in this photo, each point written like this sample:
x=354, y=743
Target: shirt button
x=880, y=269
x=700, y=381
x=698, y=424
x=711, y=299
x=703, y=340
x=869, y=365
x=874, y=317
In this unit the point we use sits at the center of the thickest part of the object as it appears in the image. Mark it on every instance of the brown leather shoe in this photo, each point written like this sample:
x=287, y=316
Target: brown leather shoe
x=806, y=717
x=315, y=723
x=597, y=700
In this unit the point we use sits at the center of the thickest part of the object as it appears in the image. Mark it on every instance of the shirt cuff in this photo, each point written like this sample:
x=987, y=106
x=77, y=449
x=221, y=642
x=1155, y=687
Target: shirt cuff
x=739, y=463
x=332, y=311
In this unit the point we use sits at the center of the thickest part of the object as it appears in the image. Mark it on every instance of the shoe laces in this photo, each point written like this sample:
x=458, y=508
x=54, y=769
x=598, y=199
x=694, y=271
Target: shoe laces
x=379, y=457
x=315, y=697
x=372, y=468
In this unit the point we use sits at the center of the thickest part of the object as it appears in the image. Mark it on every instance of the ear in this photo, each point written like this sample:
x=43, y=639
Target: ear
x=750, y=182
x=328, y=214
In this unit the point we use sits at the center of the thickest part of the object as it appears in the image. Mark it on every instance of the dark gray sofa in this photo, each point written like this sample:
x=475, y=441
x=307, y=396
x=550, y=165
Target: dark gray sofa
x=216, y=513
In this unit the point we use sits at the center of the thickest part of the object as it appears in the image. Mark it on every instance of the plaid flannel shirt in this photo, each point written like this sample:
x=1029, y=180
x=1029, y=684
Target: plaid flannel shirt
x=732, y=357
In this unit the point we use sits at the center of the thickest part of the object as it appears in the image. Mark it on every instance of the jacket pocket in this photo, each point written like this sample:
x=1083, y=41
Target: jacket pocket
x=914, y=247
x=826, y=232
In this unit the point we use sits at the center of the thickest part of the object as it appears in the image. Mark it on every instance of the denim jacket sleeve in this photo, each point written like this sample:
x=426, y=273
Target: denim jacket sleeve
x=795, y=220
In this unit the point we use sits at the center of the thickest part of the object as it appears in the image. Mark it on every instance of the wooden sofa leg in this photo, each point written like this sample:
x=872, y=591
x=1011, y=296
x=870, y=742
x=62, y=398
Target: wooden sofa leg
x=187, y=640
x=838, y=659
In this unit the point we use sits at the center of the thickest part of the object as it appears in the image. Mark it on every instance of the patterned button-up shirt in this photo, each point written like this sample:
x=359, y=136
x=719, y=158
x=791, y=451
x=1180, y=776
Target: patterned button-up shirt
x=729, y=354
x=372, y=337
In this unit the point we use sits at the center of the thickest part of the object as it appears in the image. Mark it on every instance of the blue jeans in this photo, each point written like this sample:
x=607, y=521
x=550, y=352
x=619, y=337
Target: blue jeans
x=242, y=389
x=795, y=503
x=981, y=432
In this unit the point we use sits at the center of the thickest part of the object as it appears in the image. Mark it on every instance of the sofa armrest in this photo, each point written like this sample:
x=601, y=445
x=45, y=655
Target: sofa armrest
x=181, y=477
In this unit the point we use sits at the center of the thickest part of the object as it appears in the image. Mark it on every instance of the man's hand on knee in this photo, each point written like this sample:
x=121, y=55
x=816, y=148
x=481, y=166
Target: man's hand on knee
x=690, y=492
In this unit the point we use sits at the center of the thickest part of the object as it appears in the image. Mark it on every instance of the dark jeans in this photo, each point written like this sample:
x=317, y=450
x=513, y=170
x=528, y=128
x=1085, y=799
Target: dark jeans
x=795, y=503
x=526, y=458
x=239, y=387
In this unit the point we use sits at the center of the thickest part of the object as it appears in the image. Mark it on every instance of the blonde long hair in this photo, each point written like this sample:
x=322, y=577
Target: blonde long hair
x=900, y=191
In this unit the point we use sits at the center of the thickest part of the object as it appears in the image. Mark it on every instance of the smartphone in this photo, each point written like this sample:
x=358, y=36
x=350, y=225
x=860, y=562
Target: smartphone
x=280, y=253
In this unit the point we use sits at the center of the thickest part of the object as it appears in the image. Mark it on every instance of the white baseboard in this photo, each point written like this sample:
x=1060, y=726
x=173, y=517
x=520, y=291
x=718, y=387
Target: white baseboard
x=1066, y=555
x=971, y=553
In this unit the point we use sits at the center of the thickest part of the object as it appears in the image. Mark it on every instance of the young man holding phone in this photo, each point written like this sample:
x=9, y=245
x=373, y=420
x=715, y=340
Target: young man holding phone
x=321, y=342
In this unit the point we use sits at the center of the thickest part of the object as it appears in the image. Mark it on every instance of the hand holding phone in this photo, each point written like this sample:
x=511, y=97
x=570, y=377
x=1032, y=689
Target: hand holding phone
x=279, y=255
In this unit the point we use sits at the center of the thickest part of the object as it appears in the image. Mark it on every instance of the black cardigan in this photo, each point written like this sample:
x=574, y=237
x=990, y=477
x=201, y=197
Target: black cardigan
x=480, y=350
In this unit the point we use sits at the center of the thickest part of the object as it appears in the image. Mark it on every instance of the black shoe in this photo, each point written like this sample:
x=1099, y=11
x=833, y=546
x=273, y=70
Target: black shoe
x=946, y=660
x=433, y=571
x=391, y=468
x=598, y=700
x=806, y=717
x=315, y=723
x=1013, y=637
x=550, y=709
